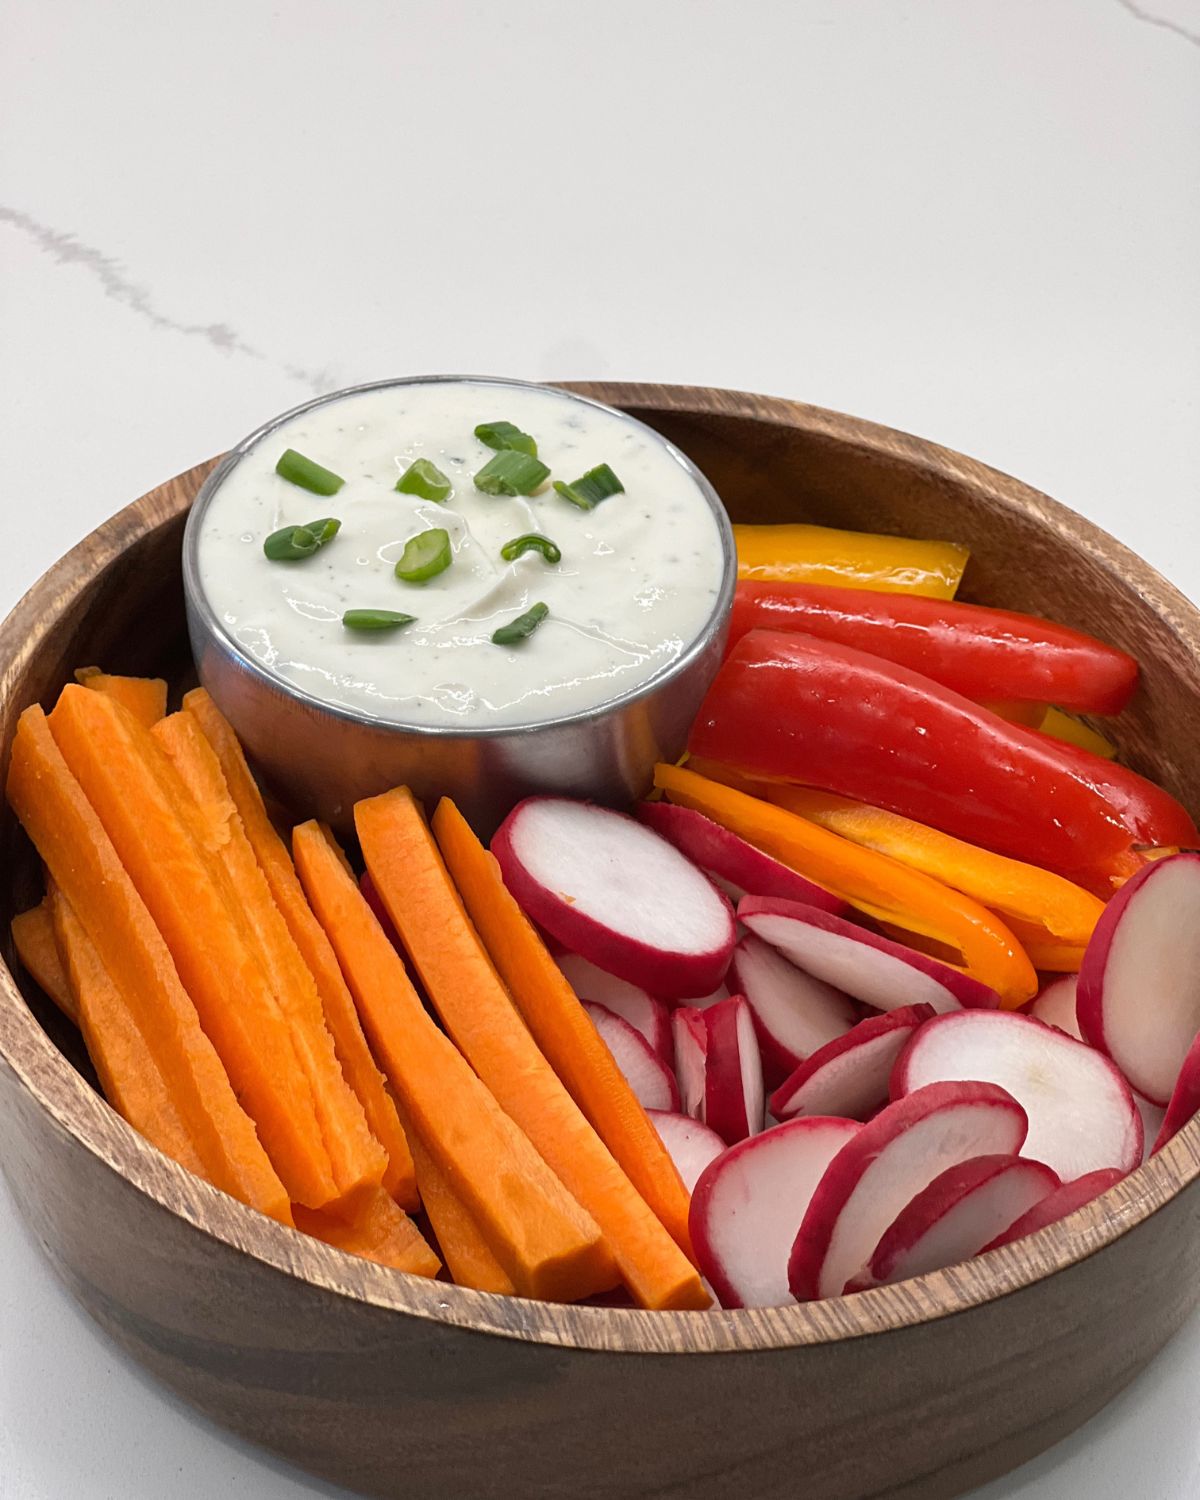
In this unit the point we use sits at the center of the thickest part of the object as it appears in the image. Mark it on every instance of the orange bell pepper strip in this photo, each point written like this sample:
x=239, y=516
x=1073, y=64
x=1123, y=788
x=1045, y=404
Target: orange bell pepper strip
x=852, y=559
x=873, y=883
x=1047, y=905
x=1045, y=954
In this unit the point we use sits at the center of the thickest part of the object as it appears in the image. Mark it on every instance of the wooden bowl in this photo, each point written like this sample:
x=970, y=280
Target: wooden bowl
x=397, y=1386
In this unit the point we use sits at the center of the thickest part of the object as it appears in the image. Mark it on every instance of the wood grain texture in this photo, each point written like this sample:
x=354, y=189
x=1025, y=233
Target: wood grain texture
x=396, y=1386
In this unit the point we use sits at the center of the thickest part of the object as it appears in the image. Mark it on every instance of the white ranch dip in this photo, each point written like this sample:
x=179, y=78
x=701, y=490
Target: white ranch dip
x=638, y=581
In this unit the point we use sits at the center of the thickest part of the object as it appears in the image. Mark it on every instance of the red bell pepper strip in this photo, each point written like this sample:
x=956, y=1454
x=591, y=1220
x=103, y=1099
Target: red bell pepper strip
x=979, y=652
x=795, y=708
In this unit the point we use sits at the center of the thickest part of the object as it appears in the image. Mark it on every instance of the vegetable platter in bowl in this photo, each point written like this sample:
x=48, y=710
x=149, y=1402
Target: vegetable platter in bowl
x=819, y=1103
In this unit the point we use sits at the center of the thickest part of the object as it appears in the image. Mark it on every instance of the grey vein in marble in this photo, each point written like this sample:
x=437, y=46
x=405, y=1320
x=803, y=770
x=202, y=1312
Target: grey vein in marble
x=68, y=249
x=1165, y=22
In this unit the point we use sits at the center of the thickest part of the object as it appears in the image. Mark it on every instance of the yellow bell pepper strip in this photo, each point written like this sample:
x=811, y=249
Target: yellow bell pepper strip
x=850, y=559
x=1049, y=906
x=873, y=883
x=1061, y=726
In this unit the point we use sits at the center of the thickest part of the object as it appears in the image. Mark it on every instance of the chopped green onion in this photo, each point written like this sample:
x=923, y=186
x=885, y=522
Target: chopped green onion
x=424, y=479
x=588, y=491
x=502, y=435
x=291, y=543
x=425, y=556
x=375, y=619
x=297, y=469
x=532, y=541
x=511, y=473
x=522, y=627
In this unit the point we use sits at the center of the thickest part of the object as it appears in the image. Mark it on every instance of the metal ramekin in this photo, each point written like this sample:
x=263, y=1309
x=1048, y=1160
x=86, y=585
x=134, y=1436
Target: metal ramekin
x=322, y=757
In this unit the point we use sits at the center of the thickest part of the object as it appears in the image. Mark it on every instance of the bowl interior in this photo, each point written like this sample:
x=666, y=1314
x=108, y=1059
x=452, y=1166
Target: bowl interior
x=116, y=600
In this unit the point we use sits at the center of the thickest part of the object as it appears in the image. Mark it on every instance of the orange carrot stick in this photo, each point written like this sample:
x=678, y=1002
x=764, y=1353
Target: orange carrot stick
x=37, y=948
x=357, y=1158
x=561, y=1026
x=539, y=1234
x=86, y=868
x=144, y=697
x=378, y=1231
x=128, y=1072
x=336, y=1000
x=479, y=1014
x=463, y=1247
x=126, y=777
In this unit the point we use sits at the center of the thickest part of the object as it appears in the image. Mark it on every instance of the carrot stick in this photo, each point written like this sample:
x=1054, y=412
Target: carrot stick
x=144, y=697
x=378, y=1231
x=357, y=1158
x=539, y=1234
x=463, y=1247
x=561, y=1025
x=127, y=779
x=128, y=1072
x=37, y=948
x=340, y=1014
x=87, y=870
x=412, y=881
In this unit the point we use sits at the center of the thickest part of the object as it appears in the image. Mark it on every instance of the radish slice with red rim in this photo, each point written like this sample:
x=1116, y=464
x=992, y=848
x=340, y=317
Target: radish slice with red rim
x=1184, y=1100
x=730, y=861
x=959, y=1213
x=1055, y=1004
x=691, y=1053
x=1081, y=1114
x=648, y=1076
x=690, y=1143
x=606, y=886
x=643, y=1012
x=794, y=1014
x=850, y=1075
x=748, y=1204
x=1139, y=985
x=884, y=1166
x=1057, y=1205
x=863, y=964
x=733, y=1080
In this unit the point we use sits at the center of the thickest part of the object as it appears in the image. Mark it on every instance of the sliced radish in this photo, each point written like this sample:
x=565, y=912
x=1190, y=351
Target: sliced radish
x=959, y=1213
x=849, y=1076
x=645, y=1014
x=733, y=1080
x=733, y=863
x=1081, y=1114
x=1057, y=1205
x=794, y=1014
x=871, y=968
x=1153, y=1119
x=606, y=886
x=1139, y=986
x=691, y=1052
x=1184, y=1100
x=1055, y=1004
x=748, y=1204
x=647, y=1075
x=885, y=1165
x=691, y=1144
x=702, y=1002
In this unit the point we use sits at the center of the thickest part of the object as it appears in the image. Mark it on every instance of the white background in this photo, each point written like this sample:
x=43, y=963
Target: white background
x=975, y=220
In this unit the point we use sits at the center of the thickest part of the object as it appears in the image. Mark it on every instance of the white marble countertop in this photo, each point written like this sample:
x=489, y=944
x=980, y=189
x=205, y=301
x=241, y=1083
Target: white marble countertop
x=978, y=221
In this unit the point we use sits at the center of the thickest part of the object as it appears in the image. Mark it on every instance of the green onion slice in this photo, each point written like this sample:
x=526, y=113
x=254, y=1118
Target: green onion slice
x=425, y=556
x=511, y=473
x=503, y=435
x=292, y=543
x=375, y=619
x=532, y=541
x=522, y=627
x=424, y=479
x=297, y=469
x=588, y=491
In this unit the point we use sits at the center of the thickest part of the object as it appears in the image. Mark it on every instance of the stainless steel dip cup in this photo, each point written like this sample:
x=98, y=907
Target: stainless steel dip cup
x=322, y=757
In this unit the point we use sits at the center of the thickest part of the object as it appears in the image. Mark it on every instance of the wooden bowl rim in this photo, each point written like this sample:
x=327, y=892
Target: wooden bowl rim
x=76, y=1110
